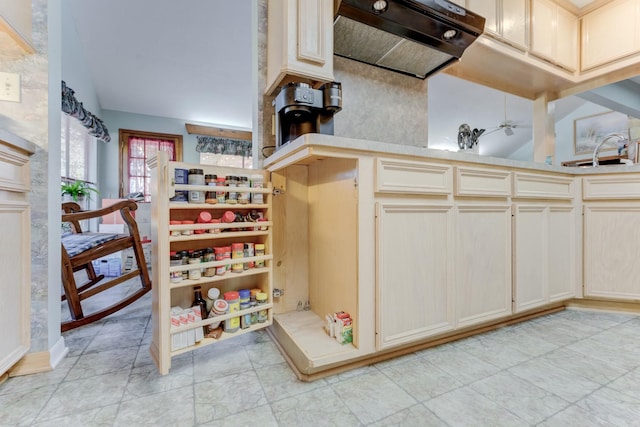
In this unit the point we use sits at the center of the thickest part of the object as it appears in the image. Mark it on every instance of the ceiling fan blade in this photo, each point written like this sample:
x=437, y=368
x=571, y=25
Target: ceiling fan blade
x=508, y=131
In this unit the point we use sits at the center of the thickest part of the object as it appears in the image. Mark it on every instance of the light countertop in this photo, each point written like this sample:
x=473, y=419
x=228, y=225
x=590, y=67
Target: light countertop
x=421, y=153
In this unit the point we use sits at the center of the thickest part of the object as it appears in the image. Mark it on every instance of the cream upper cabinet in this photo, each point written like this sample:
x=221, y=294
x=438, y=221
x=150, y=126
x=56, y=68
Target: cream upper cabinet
x=554, y=34
x=15, y=20
x=610, y=32
x=506, y=20
x=299, y=42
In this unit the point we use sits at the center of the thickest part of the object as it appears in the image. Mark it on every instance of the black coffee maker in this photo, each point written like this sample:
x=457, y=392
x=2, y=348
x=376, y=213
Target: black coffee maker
x=301, y=109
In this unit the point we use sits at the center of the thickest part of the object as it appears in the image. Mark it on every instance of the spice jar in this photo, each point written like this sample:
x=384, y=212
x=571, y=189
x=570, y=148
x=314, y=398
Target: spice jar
x=210, y=196
x=259, y=249
x=185, y=261
x=217, y=229
x=175, y=260
x=195, y=258
x=204, y=217
x=188, y=231
x=196, y=177
x=212, y=296
x=174, y=233
x=221, y=196
x=219, y=255
x=219, y=308
x=237, y=251
x=261, y=299
x=257, y=182
x=245, y=319
x=232, y=182
x=209, y=256
x=233, y=299
x=248, y=253
x=243, y=195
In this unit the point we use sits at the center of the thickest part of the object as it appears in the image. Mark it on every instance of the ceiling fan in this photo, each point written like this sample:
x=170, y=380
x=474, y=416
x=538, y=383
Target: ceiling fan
x=507, y=125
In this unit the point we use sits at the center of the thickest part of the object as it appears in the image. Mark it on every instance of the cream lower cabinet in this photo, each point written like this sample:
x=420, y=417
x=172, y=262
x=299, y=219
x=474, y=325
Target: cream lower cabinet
x=611, y=214
x=482, y=262
x=544, y=254
x=415, y=264
x=15, y=249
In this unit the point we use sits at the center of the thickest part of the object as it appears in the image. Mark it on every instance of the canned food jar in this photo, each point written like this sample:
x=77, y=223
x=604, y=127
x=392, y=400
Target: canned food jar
x=232, y=195
x=219, y=255
x=195, y=258
x=233, y=299
x=221, y=196
x=196, y=177
x=175, y=260
x=209, y=256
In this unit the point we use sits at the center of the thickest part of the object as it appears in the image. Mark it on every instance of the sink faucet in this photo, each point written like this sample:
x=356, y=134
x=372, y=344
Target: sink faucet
x=621, y=140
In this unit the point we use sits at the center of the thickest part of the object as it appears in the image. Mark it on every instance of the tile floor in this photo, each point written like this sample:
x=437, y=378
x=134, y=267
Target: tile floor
x=573, y=368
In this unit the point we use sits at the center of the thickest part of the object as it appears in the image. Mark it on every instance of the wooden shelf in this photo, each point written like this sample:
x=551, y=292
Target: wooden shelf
x=211, y=279
x=225, y=335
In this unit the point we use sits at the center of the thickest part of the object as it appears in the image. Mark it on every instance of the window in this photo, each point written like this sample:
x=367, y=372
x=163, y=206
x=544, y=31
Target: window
x=135, y=148
x=76, y=146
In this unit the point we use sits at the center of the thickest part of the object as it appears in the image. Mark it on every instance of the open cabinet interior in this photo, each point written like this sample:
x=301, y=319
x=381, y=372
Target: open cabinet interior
x=315, y=258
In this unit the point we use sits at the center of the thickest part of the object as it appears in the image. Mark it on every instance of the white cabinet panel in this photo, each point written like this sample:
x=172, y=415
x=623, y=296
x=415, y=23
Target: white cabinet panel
x=415, y=259
x=554, y=33
x=545, y=254
x=610, y=32
x=404, y=176
x=611, y=261
x=506, y=20
x=482, y=263
x=482, y=182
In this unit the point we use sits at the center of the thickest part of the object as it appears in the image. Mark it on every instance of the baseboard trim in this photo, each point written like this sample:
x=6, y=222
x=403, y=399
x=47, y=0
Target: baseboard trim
x=58, y=352
x=604, y=305
x=31, y=363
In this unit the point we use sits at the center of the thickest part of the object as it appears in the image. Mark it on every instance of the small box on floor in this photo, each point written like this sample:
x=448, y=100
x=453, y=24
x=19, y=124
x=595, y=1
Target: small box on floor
x=339, y=325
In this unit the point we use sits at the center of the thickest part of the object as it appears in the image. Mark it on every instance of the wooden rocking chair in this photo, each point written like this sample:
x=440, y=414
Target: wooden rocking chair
x=80, y=248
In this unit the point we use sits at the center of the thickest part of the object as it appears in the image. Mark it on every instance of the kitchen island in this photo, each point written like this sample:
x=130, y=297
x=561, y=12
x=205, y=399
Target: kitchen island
x=424, y=246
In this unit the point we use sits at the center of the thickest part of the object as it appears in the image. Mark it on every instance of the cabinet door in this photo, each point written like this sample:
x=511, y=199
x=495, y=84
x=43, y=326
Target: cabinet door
x=543, y=28
x=414, y=266
x=482, y=263
x=514, y=21
x=609, y=33
x=611, y=266
x=530, y=256
x=489, y=10
x=567, y=39
x=545, y=255
x=561, y=259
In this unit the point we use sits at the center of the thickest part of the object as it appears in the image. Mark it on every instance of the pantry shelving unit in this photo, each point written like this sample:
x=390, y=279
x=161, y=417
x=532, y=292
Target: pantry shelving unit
x=166, y=294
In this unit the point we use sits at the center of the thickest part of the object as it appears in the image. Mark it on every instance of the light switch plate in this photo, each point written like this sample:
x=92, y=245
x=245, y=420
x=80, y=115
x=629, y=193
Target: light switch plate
x=9, y=87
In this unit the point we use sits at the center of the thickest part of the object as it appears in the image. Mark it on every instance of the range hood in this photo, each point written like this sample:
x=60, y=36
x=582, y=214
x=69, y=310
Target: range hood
x=413, y=37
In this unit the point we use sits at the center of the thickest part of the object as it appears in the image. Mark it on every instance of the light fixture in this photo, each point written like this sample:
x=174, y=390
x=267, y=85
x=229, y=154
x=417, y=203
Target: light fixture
x=449, y=34
x=380, y=6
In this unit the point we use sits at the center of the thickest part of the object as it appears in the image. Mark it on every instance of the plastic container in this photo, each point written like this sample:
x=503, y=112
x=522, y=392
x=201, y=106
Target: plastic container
x=204, y=217
x=196, y=177
x=212, y=296
x=233, y=299
x=261, y=299
x=228, y=217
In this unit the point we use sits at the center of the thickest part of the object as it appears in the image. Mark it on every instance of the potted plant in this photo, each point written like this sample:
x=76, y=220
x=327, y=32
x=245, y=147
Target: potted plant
x=78, y=190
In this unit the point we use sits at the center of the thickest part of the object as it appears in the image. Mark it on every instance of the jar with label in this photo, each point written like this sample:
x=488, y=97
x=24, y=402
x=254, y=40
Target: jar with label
x=212, y=296
x=257, y=182
x=219, y=255
x=243, y=193
x=227, y=218
x=219, y=308
x=232, y=195
x=237, y=251
x=208, y=256
x=196, y=177
x=249, y=249
x=233, y=299
x=261, y=299
x=245, y=319
x=181, y=176
x=175, y=260
x=227, y=257
x=259, y=249
x=185, y=261
x=210, y=196
x=195, y=258
x=204, y=217
x=221, y=196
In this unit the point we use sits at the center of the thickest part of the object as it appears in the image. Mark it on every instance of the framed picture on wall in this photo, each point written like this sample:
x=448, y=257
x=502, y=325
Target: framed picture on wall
x=588, y=131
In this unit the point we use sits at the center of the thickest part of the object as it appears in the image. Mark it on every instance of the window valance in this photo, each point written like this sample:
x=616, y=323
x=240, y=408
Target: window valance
x=74, y=108
x=216, y=145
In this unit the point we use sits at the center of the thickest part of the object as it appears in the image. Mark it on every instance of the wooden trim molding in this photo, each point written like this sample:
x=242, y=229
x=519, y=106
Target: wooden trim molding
x=219, y=132
x=31, y=363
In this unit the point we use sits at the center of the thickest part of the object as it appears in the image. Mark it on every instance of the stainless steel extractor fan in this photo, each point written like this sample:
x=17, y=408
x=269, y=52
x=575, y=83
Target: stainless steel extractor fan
x=506, y=125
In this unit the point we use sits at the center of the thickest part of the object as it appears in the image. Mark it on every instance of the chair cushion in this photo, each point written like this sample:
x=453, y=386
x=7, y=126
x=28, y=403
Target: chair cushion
x=75, y=243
